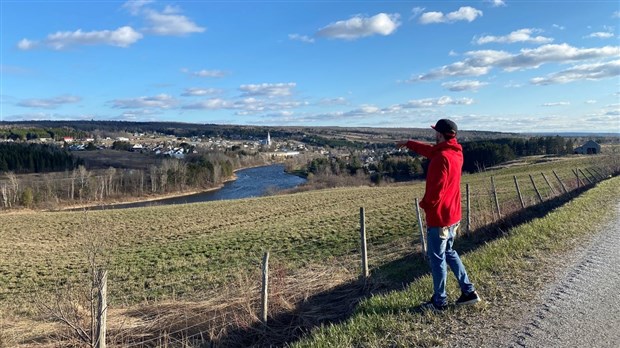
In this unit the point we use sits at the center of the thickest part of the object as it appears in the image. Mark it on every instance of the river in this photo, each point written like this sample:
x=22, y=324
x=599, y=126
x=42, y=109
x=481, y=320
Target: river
x=251, y=182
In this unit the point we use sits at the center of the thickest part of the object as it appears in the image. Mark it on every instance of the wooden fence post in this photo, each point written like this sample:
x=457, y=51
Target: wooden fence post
x=585, y=176
x=536, y=189
x=468, y=226
x=102, y=309
x=365, y=272
x=422, y=239
x=499, y=213
x=519, y=192
x=579, y=183
x=265, y=292
x=548, y=184
x=598, y=173
x=561, y=183
x=592, y=175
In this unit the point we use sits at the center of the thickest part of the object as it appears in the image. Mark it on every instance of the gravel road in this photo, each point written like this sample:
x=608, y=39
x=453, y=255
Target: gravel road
x=581, y=308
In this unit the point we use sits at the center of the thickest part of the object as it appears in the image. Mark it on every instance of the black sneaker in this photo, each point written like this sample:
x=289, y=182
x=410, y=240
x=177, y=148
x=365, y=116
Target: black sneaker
x=431, y=306
x=468, y=299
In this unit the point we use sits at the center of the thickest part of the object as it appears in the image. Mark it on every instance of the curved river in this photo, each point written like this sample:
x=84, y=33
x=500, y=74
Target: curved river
x=251, y=182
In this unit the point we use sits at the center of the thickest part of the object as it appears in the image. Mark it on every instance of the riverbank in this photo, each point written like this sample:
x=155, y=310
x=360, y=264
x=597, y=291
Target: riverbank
x=197, y=195
x=147, y=199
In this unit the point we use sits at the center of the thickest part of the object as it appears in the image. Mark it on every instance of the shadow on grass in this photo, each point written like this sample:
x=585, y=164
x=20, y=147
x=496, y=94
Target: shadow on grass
x=339, y=303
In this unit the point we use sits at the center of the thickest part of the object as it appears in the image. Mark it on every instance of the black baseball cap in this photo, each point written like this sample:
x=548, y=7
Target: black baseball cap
x=445, y=126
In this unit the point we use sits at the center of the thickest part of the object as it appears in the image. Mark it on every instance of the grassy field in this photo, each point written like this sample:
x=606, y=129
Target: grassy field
x=188, y=252
x=507, y=271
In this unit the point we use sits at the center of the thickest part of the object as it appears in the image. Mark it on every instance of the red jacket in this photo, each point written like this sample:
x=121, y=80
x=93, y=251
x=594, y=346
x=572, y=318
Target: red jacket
x=442, y=199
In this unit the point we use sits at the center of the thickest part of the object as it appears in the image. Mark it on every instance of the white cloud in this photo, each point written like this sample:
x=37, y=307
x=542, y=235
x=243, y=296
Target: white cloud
x=600, y=35
x=204, y=73
x=464, y=85
x=121, y=37
x=268, y=89
x=170, y=23
x=135, y=115
x=50, y=103
x=358, y=26
x=196, y=92
x=560, y=27
x=521, y=35
x=434, y=102
x=161, y=101
x=134, y=6
x=416, y=11
x=481, y=62
x=333, y=101
x=582, y=72
x=363, y=110
x=616, y=14
x=210, y=104
x=556, y=104
x=25, y=44
x=245, y=106
x=463, y=14
x=496, y=3
x=302, y=38
x=591, y=101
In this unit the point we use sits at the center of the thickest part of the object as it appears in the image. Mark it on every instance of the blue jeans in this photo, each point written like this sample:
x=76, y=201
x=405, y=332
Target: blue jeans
x=440, y=252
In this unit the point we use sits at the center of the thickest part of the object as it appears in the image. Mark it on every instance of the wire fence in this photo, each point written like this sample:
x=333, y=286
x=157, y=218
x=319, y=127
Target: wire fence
x=237, y=306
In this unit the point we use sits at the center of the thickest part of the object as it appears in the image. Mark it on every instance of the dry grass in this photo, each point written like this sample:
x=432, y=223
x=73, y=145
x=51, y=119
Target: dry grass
x=171, y=262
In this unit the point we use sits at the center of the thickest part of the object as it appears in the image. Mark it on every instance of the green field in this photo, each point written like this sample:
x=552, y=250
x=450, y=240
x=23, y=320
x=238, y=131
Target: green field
x=187, y=252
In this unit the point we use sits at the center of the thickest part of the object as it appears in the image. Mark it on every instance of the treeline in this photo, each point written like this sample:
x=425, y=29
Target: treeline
x=35, y=158
x=22, y=134
x=403, y=166
x=81, y=185
x=398, y=167
x=479, y=155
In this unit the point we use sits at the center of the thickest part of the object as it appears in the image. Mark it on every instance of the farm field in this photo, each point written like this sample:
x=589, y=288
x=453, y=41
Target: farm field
x=187, y=252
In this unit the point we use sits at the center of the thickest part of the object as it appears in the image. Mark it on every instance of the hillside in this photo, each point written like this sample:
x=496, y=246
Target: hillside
x=168, y=261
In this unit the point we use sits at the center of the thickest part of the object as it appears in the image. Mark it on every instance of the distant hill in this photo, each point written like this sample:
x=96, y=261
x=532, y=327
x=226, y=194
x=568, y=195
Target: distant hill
x=574, y=134
x=179, y=129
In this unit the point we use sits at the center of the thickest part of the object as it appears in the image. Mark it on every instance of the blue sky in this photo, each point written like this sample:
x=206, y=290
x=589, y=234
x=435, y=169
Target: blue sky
x=514, y=66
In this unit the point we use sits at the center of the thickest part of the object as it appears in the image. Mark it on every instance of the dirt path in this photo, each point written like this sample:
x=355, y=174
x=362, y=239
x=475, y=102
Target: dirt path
x=581, y=308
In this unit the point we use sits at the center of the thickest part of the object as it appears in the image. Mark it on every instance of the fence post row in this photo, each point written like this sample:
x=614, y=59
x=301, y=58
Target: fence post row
x=265, y=292
x=519, y=192
x=365, y=272
x=561, y=183
x=420, y=225
x=499, y=213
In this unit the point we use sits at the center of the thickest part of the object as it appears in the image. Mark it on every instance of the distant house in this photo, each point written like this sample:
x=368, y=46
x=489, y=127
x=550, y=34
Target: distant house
x=68, y=139
x=589, y=148
x=137, y=147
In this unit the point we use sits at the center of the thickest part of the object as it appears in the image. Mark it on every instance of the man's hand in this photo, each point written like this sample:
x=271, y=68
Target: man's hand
x=400, y=144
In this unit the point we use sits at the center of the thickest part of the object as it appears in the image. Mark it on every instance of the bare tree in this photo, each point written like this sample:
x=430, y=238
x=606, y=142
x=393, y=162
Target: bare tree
x=83, y=175
x=6, y=202
x=14, y=185
x=153, y=177
x=110, y=173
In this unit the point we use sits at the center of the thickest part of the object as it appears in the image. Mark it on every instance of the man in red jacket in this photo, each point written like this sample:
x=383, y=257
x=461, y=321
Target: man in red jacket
x=442, y=205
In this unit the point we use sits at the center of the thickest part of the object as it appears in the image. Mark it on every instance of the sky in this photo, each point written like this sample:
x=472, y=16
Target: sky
x=494, y=65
